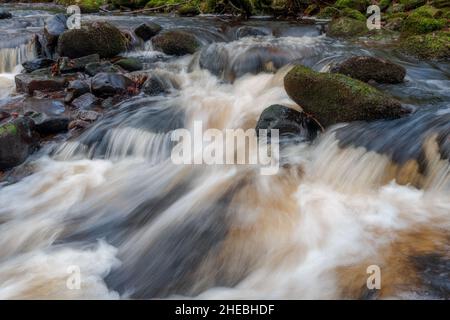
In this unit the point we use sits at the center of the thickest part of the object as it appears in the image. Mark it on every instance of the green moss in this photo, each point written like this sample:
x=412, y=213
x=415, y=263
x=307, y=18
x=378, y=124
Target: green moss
x=421, y=21
x=346, y=27
x=360, y=5
x=8, y=128
x=328, y=13
x=430, y=46
x=354, y=14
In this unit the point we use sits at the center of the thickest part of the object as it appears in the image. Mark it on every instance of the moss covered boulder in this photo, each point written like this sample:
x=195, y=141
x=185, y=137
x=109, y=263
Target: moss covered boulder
x=346, y=27
x=17, y=140
x=422, y=20
x=334, y=98
x=176, y=42
x=435, y=46
x=98, y=37
x=354, y=14
x=367, y=68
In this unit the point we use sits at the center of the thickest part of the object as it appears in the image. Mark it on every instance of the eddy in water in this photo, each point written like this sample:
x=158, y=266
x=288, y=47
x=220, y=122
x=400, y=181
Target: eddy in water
x=355, y=124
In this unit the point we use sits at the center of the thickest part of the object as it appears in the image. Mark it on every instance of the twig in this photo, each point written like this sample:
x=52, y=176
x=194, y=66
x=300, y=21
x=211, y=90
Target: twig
x=155, y=8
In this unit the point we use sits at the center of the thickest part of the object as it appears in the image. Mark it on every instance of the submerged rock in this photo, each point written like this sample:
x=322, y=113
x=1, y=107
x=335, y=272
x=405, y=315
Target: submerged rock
x=147, y=30
x=29, y=83
x=5, y=14
x=335, y=98
x=248, y=31
x=291, y=123
x=176, y=42
x=49, y=116
x=37, y=64
x=156, y=84
x=367, y=68
x=110, y=84
x=17, y=141
x=98, y=37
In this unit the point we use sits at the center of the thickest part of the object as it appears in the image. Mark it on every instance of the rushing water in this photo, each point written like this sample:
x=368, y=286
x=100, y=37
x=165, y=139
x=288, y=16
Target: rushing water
x=112, y=203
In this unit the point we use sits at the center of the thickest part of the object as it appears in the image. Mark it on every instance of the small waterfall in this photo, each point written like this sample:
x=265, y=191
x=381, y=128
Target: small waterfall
x=11, y=57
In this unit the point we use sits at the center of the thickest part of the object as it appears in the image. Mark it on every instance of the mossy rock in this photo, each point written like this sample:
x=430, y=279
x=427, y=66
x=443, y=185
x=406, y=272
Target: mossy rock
x=188, y=10
x=354, y=14
x=328, y=13
x=335, y=98
x=176, y=42
x=360, y=5
x=434, y=46
x=422, y=20
x=412, y=4
x=98, y=37
x=346, y=27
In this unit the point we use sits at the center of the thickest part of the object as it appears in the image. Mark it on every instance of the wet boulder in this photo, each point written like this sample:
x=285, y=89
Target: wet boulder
x=110, y=84
x=214, y=58
x=259, y=59
x=293, y=125
x=130, y=64
x=147, y=30
x=156, y=84
x=334, y=98
x=5, y=14
x=29, y=83
x=367, y=68
x=67, y=65
x=54, y=27
x=248, y=31
x=17, y=141
x=85, y=101
x=176, y=42
x=49, y=116
x=97, y=67
x=98, y=37
x=75, y=89
x=37, y=64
